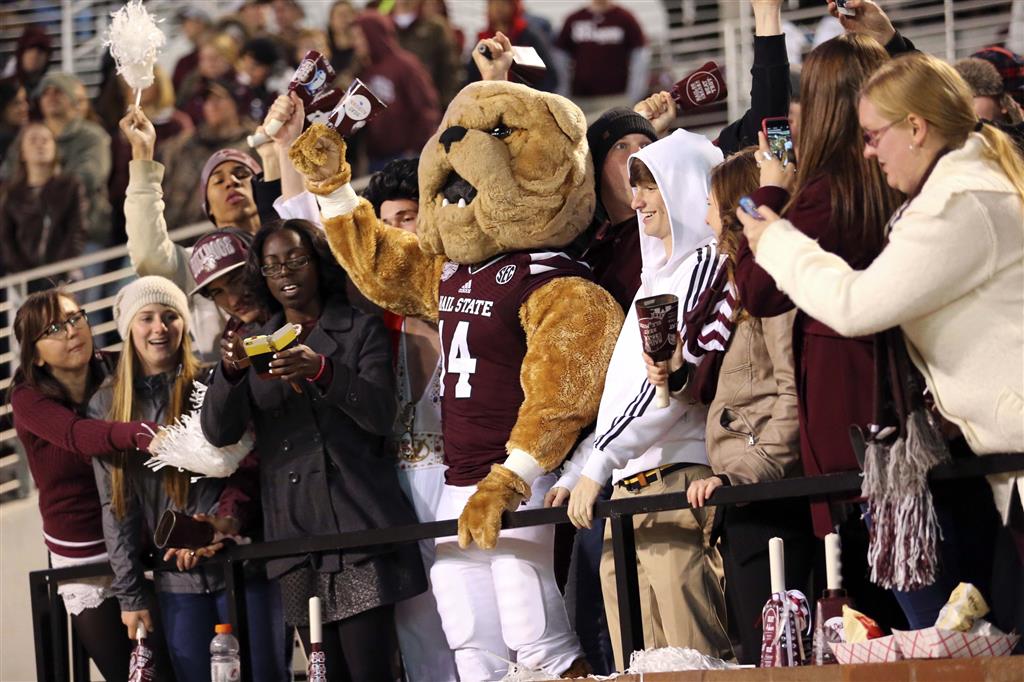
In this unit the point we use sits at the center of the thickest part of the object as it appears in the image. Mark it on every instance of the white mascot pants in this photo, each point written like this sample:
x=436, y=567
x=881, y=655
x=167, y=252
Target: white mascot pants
x=502, y=604
x=425, y=653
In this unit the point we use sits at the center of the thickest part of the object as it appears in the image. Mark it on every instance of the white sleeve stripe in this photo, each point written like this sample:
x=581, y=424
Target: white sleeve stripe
x=607, y=439
x=629, y=408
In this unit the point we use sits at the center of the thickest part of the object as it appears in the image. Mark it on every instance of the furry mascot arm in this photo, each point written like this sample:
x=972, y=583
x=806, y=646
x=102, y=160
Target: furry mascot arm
x=571, y=327
x=385, y=263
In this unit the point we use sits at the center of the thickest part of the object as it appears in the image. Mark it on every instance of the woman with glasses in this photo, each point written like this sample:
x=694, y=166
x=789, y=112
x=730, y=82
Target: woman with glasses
x=835, y=195
x=58, y=372
x=322, y=418
x=951, y=277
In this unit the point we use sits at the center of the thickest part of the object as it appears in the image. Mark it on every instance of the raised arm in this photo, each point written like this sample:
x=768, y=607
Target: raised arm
x=149, y=246
x=385, y=263
x=930, y=261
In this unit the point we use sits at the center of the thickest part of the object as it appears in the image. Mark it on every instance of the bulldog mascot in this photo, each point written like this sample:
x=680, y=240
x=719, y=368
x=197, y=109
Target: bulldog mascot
x=526, y=337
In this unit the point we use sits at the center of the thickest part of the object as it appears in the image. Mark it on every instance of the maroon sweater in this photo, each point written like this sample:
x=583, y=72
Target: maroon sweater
x=60, y=444
x=834, y=375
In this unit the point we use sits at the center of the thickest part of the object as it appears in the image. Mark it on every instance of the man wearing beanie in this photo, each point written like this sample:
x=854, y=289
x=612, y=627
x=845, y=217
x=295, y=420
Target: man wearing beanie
x=991, y=101
x=614, y=252
x=228, y=188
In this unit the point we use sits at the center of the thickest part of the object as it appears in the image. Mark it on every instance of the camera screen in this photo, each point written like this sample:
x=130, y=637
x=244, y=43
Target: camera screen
x=780, y=139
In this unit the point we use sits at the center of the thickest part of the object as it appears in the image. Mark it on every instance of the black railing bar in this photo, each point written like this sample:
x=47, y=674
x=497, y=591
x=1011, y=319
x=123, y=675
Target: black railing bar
x=807, y=486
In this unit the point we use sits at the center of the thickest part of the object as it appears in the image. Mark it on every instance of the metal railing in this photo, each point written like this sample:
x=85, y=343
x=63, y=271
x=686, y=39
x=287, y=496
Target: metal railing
x=50, y=621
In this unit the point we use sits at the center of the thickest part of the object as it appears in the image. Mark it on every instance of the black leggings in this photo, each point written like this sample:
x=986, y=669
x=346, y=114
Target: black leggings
x=105, y=640
x=362, y=648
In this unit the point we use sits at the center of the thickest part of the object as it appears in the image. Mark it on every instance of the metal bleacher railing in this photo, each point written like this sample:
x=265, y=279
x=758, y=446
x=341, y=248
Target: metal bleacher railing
x=60, y=657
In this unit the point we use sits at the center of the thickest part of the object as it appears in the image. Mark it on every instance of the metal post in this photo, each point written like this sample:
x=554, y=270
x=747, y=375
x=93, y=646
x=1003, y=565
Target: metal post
x=39, y=595
x=627, y=585
x=733, y=66
x=234, y=579
x=67, y=35
x=58, y=633
x=950, y=30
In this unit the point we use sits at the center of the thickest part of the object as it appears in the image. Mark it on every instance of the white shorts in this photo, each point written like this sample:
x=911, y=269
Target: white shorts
x=85, y=593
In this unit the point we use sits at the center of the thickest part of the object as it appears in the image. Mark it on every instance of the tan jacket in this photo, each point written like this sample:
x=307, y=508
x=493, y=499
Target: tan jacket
x=752, y=432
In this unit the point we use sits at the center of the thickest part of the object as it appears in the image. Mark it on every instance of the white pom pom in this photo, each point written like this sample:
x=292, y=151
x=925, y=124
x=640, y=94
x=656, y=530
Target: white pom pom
x=135, y=41
x=183, y=445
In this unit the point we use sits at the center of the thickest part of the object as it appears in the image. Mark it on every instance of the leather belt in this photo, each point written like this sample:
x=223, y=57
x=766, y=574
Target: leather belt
x=645, y=478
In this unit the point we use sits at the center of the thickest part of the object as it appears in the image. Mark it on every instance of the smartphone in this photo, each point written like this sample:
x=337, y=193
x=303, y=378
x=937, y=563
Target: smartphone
x=780, y=137
x=843, y=9
x=747, y=204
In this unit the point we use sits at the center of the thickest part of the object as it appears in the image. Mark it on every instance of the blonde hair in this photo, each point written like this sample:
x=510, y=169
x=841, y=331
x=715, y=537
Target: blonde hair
x=122, y=409
x=928, y=87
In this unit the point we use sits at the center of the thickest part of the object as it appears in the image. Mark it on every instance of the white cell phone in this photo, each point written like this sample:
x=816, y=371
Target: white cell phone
x=843, y=9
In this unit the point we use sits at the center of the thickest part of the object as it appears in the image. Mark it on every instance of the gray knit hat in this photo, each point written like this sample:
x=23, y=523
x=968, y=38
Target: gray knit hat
x=144, y=291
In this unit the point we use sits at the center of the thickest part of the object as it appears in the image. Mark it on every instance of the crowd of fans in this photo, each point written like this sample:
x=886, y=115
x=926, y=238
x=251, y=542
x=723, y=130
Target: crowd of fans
x=904, y=209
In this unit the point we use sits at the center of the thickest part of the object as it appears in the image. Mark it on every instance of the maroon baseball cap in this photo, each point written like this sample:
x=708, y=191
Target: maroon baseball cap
x=216, y=159
x=216, y=254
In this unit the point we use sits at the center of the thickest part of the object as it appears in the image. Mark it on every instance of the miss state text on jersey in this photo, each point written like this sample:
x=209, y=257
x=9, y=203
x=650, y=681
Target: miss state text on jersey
x=482, y=349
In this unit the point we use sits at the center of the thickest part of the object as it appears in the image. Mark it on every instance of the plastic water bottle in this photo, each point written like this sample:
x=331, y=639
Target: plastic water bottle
x=225, y=665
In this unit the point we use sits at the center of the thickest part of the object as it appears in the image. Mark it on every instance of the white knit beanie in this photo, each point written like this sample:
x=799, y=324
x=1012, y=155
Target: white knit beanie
x=144, y=291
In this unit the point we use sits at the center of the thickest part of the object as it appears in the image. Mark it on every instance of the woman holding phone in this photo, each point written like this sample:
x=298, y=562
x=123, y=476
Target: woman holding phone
x=322, y=417
x=836, y=196
x=58, y=372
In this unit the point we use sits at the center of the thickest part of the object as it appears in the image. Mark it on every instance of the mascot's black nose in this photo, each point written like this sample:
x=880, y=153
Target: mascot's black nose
x=451, y=136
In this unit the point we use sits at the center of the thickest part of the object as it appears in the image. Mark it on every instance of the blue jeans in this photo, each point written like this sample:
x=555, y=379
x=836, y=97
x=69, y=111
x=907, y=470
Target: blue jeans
x=189, y=619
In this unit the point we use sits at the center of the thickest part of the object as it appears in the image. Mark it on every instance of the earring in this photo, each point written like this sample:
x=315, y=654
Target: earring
x=912, y=148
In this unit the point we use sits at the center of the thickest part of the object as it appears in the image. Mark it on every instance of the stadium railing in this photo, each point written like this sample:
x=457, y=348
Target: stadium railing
x=61, y=658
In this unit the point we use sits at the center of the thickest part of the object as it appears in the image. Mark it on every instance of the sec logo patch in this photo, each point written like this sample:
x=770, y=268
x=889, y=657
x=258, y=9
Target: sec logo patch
x=505, y=275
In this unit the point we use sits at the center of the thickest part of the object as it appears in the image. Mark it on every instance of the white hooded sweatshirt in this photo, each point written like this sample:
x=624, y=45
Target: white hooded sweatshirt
x=633, y=435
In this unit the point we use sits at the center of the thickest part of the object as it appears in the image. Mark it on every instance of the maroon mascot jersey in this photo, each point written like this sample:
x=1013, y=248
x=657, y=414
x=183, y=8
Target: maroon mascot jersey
x=482, y=349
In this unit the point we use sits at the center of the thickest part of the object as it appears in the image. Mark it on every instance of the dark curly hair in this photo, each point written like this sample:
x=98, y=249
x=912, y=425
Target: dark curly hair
x=331, y=277
x=397, y=180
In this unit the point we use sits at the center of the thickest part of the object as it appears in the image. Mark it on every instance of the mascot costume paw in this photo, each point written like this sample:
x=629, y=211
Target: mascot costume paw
x=526, y=337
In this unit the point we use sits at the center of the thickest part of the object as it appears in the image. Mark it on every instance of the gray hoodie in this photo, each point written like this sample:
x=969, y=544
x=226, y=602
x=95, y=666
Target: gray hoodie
x=146, y=501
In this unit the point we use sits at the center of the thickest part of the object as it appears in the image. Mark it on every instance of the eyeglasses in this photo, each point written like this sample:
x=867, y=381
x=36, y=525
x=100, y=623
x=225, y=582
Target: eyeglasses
x=77, y=320
x=275, y=269
x=873, y=137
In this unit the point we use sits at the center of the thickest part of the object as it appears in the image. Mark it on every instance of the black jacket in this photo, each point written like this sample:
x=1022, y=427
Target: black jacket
x=324, y=465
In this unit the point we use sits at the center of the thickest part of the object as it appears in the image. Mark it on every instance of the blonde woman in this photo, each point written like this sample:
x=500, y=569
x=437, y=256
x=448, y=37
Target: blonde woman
x=154, y=380
x=951, y=275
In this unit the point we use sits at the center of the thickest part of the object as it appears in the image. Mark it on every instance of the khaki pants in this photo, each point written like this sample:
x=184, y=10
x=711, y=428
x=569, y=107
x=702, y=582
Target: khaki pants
x=680, y=576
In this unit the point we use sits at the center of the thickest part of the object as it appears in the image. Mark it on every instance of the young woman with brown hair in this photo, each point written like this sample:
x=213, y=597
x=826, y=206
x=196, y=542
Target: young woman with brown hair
x=58, y=371
x=835, y=195
x=154, y=379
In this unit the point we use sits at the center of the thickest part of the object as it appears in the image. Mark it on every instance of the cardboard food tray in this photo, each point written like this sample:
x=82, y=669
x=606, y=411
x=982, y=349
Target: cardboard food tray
x=879, y=650
x=938, y=643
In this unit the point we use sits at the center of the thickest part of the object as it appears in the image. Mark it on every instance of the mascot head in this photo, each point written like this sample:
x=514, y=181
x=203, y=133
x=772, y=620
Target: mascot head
x=508, y=169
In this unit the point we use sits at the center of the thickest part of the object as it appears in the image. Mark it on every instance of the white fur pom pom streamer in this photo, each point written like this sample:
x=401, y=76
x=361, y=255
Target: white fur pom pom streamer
x=183, y=445
x=135, y=41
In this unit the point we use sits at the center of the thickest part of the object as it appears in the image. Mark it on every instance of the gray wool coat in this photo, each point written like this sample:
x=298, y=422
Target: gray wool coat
x=324, y=464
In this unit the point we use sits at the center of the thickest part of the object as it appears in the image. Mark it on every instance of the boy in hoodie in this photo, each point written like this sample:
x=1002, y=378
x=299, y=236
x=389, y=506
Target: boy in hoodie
x=647, y=450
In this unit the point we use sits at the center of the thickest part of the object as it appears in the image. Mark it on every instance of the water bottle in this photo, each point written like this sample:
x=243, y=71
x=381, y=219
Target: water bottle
x=225, y=665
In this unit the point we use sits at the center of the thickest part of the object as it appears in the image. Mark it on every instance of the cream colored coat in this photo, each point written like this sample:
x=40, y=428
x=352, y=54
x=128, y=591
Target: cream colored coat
x=952, y=278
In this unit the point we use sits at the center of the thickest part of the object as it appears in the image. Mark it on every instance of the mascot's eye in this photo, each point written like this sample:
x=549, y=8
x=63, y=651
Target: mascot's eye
x=501, y=131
